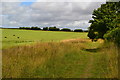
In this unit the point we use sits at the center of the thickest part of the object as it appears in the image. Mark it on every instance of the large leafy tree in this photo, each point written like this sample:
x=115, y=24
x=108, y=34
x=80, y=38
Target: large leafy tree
x=105, y=18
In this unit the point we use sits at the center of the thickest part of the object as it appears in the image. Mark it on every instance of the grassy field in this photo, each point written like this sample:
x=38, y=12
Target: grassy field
x=30, y=36
x=71, y=58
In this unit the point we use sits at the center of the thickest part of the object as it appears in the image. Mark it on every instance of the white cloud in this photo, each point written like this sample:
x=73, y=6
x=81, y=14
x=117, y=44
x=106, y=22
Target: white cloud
x=61, y=14
x=59, y=0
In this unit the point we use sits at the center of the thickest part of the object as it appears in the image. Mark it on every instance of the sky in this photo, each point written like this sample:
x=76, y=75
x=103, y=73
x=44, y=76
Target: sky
x=73, y=15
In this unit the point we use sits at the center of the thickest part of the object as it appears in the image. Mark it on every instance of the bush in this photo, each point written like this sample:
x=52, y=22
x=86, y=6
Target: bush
x=35, y=28
x=78, y=30
x=28, y=28
x=65, y=29
x=114, y=36
x=53, y=29
x=45, y=28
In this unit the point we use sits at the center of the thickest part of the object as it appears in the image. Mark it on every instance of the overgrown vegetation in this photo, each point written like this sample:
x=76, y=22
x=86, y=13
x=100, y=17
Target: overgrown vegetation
x=113, y=36
x=106, y=25
x=72, y=59
x=105, y=19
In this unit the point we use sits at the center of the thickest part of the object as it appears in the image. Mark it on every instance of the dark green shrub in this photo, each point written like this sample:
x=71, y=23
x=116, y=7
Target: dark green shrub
x=28, y=28
x=65, y=29
x=113, y=35
x=35, y=28
x=45, y=28
x=91, y=34
x=78, y=30
x=53, y=29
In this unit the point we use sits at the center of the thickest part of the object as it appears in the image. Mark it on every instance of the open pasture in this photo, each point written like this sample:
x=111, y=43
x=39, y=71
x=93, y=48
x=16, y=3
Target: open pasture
x=12, y=37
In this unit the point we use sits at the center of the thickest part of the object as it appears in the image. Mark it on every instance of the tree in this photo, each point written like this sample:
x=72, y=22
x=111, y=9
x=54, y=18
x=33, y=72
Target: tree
x=53, y=29
x=78, y=30
x=104, y=19
x=45, y=28
x=65, y=29
x=27, y=28
x=113, y=36
x=35, y=28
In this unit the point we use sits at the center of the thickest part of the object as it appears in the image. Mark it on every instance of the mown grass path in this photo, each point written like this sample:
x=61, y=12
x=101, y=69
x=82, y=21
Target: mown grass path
x=88, y=68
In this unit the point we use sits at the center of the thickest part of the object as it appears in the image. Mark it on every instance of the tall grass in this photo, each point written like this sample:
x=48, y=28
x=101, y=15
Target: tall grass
x=41, y=60
x=72, y=59
x=111, y=51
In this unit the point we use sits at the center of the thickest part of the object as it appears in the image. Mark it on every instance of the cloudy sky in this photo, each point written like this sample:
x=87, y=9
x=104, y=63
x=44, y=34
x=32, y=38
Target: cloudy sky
x=45, y=14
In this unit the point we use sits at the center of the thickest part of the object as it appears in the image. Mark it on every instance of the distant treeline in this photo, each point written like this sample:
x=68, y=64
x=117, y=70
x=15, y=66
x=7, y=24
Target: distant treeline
x=53, y=29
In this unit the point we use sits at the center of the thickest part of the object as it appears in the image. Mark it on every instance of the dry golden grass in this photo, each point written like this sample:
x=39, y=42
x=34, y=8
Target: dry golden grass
x=22, y=61
x=65, y=59
x=111, y=51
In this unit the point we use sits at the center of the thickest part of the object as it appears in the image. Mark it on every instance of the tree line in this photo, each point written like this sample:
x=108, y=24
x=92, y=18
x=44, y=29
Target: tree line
x=53, y=29
x=106, y=23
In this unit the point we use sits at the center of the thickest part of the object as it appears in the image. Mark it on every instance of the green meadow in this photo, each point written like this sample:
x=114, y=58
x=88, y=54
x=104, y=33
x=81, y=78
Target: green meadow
x=31, y=36
x=52, y=54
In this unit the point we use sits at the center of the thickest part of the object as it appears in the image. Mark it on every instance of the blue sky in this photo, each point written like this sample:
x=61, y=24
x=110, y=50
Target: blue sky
x=28, y=2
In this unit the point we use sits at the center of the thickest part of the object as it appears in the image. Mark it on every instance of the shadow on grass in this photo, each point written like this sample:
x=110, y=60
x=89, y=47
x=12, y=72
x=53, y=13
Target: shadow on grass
x=92, y=50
